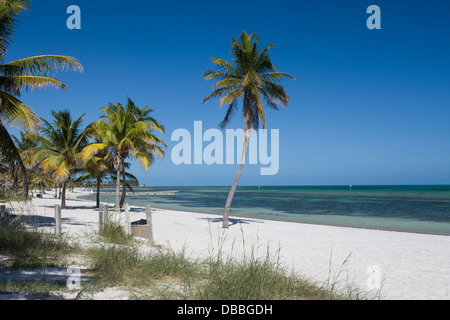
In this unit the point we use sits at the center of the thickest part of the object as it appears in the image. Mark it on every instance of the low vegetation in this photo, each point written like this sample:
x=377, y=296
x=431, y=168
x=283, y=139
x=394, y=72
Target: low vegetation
x=21, y=242
x=152, y=272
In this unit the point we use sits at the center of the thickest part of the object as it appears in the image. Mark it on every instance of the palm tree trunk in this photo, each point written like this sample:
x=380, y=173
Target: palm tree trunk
x=99, y=181
x=63, y=195
x=118, y=190
x=236, y=181
x=117, y=166
x=124, y=185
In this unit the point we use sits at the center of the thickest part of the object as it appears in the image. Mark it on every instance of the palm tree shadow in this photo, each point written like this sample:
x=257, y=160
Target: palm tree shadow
x=232, y=221
x=137, y=210
x=43, y=221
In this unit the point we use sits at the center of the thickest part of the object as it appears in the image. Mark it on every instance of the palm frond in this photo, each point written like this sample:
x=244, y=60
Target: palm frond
x=8, y=22
x=18, y=84
x=232, y=96
x=15, y=113
x=90, y=150
x=44, y=65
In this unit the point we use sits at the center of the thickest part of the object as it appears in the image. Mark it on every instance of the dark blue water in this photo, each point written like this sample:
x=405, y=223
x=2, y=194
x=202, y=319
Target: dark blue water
x=424, y=209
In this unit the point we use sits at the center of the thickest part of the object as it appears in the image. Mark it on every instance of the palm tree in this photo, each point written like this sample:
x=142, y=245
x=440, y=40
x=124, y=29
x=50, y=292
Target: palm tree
x=62, y=142
x=20, y=76
x=126, y=131
x=100, y=167
x=252, y=78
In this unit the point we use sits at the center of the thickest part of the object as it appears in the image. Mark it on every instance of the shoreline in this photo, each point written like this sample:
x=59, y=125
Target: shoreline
x=412, y=266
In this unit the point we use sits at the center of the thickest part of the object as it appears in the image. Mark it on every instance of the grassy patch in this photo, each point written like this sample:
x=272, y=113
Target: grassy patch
x=165, y=274
x=256, y=279
x=20, y=242
x=124, y=265
x=32, y=287
x=10, y=197
x=114, y=232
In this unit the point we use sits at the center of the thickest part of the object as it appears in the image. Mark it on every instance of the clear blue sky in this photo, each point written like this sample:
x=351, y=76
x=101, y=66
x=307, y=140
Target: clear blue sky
x=367, y=106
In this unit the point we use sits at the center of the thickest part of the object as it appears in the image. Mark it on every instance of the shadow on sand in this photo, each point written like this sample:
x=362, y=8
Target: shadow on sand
x=232, y=221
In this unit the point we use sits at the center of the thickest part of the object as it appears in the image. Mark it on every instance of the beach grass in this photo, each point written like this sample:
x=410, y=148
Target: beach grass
x=125, y=265
x=257, y=279
x=22, y=243
x=42, y=287
x=113, y=232
x=166, y=274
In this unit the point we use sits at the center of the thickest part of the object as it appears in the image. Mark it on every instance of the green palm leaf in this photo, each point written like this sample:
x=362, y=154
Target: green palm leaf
x=15, y=113
x=44, y=65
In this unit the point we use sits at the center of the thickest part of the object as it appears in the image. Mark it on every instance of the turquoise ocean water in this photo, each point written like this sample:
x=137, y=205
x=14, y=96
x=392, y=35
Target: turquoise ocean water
x=423, y=209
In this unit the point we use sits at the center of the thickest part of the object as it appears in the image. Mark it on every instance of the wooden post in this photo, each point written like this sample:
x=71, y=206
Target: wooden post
x=58, y=221
x=148, y=211
x=127, y=219
x=100, y=217
x=105, y=213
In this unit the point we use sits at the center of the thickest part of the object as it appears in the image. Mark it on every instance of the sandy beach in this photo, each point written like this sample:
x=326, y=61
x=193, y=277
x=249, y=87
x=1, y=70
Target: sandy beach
x=411, y=266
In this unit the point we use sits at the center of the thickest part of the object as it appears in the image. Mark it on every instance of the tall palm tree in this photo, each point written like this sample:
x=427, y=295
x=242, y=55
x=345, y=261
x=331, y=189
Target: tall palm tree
x=126, y=132
x=62, y=142
x=252, y=78
x=20, y=76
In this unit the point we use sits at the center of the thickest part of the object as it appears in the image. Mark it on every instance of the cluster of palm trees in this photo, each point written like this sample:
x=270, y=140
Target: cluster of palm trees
x=62, y=151
x=58, y=151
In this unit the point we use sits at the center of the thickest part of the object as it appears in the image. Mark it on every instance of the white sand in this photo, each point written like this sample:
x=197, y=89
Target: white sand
x=413, y=266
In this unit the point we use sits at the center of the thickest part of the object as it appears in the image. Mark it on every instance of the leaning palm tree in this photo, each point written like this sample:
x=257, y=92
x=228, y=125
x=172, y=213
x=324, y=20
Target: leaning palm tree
x=21, y=76
x=252, y=78
x=62, y=141
x=126, y=132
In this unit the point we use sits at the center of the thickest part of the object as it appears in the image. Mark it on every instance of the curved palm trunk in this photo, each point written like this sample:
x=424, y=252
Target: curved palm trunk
x=118, y=167
x=124, y=185
x=236, y=181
